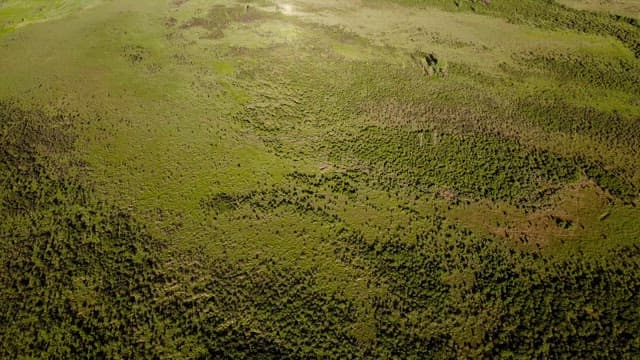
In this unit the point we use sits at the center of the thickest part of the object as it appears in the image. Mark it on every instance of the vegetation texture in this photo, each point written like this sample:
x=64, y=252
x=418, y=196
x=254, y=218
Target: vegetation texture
x=386, y=179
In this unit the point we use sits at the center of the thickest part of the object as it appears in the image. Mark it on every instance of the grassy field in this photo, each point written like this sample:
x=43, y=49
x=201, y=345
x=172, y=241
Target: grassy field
x=319, y=179
x=629, y=8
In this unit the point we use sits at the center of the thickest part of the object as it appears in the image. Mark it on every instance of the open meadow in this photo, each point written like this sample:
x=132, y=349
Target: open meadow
x=302, y=179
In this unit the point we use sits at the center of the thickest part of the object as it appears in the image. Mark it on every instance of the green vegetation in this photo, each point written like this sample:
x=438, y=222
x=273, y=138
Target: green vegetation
x=75, y=271
x=549, y=14
x=627, y=8
x=319, y=179
x=427, y=162
x=18, y=13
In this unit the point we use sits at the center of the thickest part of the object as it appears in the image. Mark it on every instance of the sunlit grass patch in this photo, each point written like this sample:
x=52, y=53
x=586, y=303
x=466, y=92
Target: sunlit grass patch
x=307, y=179
x=17, y=13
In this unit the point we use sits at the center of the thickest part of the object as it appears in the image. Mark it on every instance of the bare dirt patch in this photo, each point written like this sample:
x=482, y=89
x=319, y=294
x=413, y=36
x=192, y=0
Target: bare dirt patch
x=573, y=211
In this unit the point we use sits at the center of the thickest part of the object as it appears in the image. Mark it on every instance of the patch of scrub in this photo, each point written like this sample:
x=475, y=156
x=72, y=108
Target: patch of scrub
x=630, y=8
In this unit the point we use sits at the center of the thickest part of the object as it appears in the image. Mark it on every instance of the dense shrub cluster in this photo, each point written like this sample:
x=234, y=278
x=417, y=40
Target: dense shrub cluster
x=619, y=74
x=453, y=294
x=450, y=293
x=554, y=114
x=267, y=310
x=76, y=276
x=81, y=278
x=476, y=166
x=302, y=200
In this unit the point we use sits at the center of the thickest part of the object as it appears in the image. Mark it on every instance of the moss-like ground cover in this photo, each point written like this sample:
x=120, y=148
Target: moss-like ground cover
x=319, y=179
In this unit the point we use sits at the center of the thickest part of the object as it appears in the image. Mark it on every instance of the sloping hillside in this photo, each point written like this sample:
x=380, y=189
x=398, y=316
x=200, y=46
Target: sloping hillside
x=319, y=179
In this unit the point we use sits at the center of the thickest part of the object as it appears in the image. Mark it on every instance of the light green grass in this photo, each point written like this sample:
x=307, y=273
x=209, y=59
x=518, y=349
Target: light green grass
x=17, y=13
x=628, y=8
x=365, y=200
